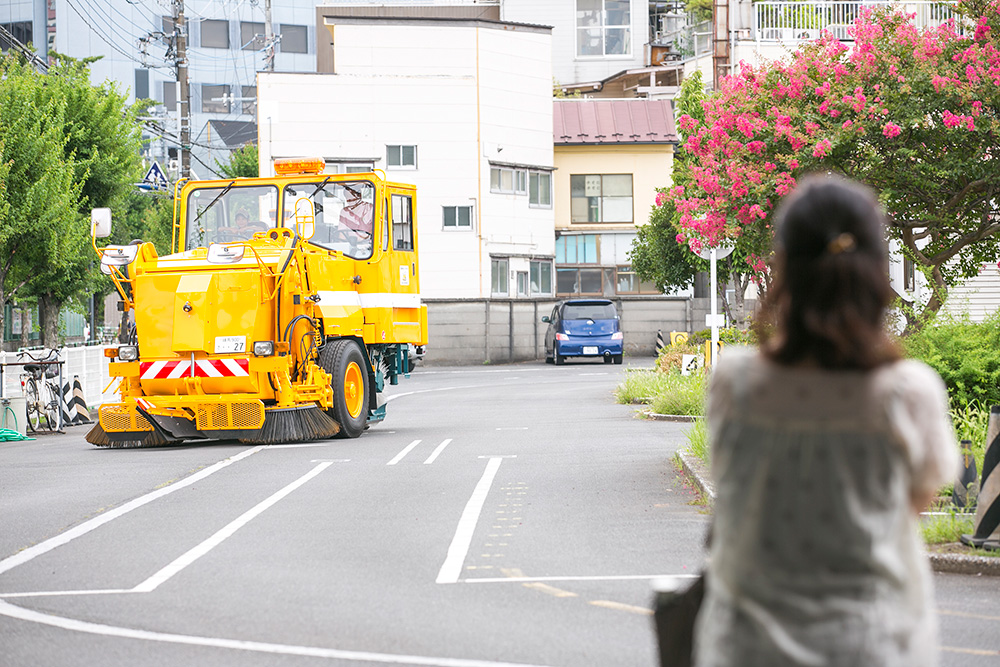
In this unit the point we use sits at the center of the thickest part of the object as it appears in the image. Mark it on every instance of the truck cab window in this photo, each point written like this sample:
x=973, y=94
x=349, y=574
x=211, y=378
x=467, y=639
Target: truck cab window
x=402, y=222
x=228, y=213
x=345, y=214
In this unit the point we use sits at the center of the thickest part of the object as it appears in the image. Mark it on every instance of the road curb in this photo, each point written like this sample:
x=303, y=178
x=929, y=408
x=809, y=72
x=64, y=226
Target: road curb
x=668, y=418
x=940, y=562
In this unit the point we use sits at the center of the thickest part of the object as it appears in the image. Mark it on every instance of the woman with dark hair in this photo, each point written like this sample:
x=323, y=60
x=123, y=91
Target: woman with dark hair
x=825, y=447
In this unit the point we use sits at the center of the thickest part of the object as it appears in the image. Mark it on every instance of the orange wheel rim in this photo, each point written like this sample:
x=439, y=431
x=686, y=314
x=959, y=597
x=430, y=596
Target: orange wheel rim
x=354, y=390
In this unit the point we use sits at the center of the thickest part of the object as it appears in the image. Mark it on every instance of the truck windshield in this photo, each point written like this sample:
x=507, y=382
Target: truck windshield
x=345, y=214
x=234, y=216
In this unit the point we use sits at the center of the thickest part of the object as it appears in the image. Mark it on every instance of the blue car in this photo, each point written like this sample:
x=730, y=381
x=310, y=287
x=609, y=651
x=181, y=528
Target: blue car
x=583, y=328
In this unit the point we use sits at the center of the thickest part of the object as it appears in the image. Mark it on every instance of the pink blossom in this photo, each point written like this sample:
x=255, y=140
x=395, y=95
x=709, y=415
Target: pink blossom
x=822, y=148
x=660, y=198
x=891, y=130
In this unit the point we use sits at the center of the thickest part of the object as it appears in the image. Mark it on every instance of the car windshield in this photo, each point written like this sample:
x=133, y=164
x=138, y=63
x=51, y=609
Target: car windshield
x=589, y=311
x=227, y=213
x=344, y=210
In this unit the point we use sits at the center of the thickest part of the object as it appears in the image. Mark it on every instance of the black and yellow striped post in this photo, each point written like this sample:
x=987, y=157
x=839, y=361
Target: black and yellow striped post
x=659, y=342
x=966, y=490
x=988, y=506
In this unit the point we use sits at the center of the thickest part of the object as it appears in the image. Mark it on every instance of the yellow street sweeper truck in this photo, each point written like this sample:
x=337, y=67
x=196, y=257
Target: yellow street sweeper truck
x=286, y=304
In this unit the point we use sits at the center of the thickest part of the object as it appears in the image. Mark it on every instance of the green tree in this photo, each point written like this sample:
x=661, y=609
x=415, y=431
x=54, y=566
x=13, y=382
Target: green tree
x=243, y=163
x=92, y=160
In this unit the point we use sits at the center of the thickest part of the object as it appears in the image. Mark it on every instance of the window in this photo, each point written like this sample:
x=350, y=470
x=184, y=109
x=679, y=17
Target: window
x=600, y=198
x=401, y=157
x=541, y=277
x=577, y=249
x=627, y=282
x=214, y=99
x=223, y=215
x=573, y=280
x=170, y=95
x=540, y=189
x=294, y=39
x=457, y=217
x=344, y=214
x=215, y=34
x=249, y=99
x=520, y=181
x=908, y=274
x=498, y=273
x=522, y=283
x=19, y=30
x=347, y=167
x=141, y=84
x=603, y=28
x=251, y=36
x=501, y=179
x=402, y=222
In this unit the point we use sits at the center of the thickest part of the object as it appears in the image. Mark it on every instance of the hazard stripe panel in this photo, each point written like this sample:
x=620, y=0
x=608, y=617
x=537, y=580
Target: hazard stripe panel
x=203, y=368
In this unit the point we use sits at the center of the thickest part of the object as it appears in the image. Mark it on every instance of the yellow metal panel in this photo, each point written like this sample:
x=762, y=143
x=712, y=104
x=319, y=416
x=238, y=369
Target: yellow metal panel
x=192, y=310
x=123, y=369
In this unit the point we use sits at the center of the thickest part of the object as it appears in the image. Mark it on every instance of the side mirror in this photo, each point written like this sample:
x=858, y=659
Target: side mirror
x=100, y=222
x=545, y=318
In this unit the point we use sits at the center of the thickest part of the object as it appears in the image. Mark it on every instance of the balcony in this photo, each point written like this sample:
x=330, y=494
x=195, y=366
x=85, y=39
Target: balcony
x=803, y=21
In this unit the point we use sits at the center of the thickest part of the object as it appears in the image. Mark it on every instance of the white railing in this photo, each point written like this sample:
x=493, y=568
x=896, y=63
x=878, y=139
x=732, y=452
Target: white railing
x=334, y=3
x=87, y=363
x=796, y=21
x=690, y=41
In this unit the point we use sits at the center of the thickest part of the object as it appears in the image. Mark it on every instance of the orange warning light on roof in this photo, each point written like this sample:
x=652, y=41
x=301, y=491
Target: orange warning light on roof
x=298, y=165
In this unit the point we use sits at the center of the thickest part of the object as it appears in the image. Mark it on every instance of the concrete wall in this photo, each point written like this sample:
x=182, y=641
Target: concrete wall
x=496, y=331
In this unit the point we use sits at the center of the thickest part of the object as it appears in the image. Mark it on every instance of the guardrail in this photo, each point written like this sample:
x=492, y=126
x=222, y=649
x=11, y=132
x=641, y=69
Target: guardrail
x=797, y=21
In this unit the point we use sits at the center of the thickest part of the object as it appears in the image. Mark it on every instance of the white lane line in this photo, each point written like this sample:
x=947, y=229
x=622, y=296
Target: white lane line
x=44, y=594
x=460, y=543
x=512, y=428
x=406, y=450
x=438, y=450
x=215, y=540
x=12, y=611
x=624, y=577
x=30, y=553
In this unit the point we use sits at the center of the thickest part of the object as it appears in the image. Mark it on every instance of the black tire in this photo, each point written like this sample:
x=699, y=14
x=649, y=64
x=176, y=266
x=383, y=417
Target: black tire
x=608, y=359
x=345, y=362
x=617, y=358
x=51, y=407
x=558, y=359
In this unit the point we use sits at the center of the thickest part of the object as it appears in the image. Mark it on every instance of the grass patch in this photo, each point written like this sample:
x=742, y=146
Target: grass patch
x=641, y=385
x=681, y=395
x=946, y=527
x=697, y=437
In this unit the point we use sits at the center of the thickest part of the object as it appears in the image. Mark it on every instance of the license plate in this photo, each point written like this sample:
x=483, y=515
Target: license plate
x=590, y=350
x=229, y=344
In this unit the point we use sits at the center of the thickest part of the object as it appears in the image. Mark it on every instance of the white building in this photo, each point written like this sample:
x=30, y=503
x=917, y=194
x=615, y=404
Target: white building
x=462, y=109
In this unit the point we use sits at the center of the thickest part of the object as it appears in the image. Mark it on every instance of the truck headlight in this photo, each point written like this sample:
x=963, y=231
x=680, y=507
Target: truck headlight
x=128, y=352
x=263, y=348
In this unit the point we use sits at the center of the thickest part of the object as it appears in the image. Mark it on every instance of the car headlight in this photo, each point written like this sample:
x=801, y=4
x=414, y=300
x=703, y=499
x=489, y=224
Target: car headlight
x=263, y=348
x=128, y=352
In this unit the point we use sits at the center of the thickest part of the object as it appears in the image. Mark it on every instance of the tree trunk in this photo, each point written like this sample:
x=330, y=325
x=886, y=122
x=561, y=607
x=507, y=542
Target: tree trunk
x=915, y=321
x=25, y=326
x=48, y=314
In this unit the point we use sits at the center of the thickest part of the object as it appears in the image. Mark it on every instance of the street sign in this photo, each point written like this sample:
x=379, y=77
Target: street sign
x=155, y=179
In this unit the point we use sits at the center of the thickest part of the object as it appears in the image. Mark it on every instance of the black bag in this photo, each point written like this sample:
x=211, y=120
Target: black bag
x=674, y=612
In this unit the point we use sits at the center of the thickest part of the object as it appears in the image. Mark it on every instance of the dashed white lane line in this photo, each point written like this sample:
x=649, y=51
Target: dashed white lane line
x=13, y=611
x=460, y=543
x=406, y=450
x=30, y=553
x=437, y=451
x=197, y=552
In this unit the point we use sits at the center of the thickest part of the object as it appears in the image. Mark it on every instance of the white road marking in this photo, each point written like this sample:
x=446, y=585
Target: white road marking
x=624, y=577
x=584, y=375
x=215, y=540
x=406, y=450
x=12, y=611
x=438, y=450
x=30, y=553
x=460, y=543
x=512, y=428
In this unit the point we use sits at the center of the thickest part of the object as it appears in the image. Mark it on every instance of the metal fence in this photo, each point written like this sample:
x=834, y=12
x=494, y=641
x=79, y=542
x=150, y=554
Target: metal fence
x=87, y=363
x=797, y=21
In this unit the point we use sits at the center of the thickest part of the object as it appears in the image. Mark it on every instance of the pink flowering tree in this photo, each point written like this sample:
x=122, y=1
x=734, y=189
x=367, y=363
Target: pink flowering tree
x=915, y=114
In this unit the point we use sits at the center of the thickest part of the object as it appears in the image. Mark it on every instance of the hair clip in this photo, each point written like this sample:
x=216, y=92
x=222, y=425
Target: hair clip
x=843, y=243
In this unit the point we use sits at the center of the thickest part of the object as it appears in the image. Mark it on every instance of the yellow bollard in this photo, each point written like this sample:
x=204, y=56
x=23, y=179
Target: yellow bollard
x=709, y=357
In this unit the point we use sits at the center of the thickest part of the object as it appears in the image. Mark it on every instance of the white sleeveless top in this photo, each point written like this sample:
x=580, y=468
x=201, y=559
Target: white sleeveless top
x=816, y=558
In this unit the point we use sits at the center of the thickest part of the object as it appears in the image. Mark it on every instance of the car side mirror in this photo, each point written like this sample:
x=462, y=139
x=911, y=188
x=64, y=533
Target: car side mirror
x=545, y=318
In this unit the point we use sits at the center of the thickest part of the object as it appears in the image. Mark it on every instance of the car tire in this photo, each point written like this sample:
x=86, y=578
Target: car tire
x=345, y=362
x=617, y=358
x=558, y=359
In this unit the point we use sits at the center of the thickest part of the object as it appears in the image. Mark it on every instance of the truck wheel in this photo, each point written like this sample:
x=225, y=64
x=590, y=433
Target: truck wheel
x=345, y=362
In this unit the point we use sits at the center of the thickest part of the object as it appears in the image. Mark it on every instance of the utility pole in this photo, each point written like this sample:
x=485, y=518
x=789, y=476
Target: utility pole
x=183, y=89
x=268, y=38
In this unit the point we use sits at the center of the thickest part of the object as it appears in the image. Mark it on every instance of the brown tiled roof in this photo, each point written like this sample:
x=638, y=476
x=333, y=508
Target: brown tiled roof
x=633, y=121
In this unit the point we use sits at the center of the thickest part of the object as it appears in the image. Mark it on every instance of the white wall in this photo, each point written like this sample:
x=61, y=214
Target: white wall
x=561, y=15
x=462, y=91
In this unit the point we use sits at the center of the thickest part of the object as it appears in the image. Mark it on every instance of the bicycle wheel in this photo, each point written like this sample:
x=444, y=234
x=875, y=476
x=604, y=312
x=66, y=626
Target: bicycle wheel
x=51, y=407
x=33, y=405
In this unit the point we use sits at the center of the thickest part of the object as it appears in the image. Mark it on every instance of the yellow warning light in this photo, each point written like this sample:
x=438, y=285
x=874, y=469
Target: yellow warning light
x=299, y=165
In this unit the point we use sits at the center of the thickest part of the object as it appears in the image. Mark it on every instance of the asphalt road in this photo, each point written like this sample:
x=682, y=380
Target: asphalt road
x=500, y=515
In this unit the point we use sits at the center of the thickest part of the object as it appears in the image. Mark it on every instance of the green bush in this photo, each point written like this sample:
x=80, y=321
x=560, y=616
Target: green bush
x=966, y=355
x=641, y=386
x=681, y=394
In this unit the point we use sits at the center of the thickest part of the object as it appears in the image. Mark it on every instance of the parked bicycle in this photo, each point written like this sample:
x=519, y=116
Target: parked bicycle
x=41, y=391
